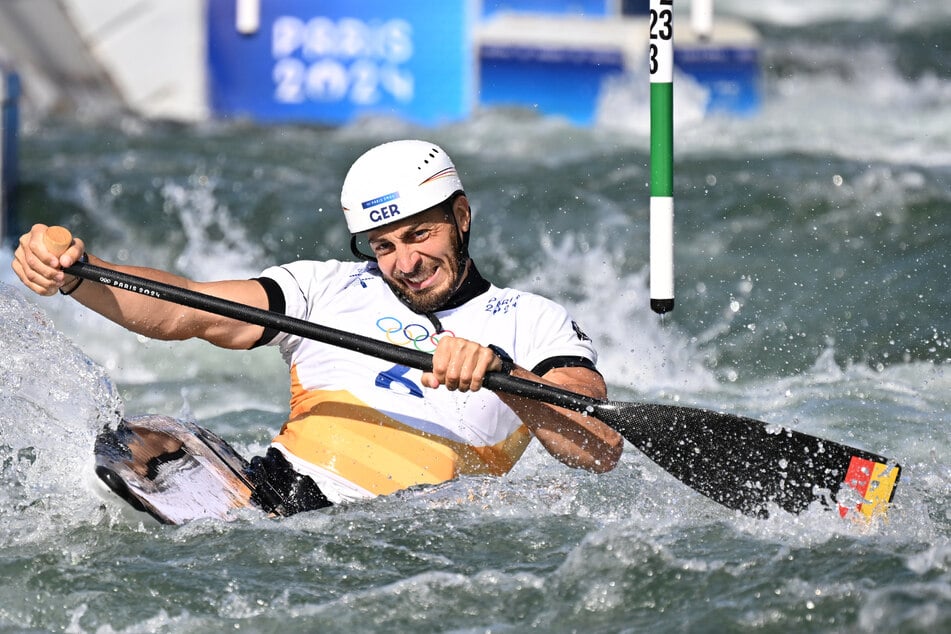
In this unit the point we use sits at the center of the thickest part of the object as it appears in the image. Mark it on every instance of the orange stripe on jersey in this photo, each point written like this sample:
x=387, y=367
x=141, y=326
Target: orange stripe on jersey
x=337, y=431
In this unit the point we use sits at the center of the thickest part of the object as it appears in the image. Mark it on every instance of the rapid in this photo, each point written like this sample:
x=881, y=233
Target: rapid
x=812, y=290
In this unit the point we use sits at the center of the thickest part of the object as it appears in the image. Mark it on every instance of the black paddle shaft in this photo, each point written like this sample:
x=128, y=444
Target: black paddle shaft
x=358, y=343
x=742, y=463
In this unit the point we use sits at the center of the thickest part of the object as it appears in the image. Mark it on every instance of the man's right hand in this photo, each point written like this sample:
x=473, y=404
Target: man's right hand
x=38, y=268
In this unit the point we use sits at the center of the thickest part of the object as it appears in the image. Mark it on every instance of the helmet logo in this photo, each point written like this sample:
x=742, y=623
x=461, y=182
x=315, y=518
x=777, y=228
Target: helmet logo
x=379, y=210
x=379, y=200
x=386, y=212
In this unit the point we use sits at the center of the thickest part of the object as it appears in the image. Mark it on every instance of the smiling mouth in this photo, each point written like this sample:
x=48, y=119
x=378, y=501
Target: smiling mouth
x=420, y=282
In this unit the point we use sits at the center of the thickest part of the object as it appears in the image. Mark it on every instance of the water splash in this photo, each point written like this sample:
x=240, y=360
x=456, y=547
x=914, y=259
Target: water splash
x=638, y=352
x=54, y=401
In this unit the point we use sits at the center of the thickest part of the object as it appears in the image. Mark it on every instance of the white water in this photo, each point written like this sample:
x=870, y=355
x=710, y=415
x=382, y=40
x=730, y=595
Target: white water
x=812, y=292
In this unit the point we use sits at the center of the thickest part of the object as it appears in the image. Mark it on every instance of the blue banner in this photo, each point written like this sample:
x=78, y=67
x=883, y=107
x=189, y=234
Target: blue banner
x=332, y=61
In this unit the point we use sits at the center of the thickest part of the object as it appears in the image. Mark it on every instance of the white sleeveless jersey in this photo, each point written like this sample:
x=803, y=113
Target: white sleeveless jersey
x=361, y=426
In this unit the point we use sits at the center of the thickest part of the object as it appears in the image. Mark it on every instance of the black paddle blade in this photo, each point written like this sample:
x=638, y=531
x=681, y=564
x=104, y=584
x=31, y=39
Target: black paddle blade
x=747, y=465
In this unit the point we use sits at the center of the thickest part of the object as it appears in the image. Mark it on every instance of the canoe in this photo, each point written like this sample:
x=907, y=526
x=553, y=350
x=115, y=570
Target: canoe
x=173, y=470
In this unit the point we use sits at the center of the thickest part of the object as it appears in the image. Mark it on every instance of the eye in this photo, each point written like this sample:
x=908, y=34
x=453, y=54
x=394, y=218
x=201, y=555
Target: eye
x=420, y=234
x=381, y=248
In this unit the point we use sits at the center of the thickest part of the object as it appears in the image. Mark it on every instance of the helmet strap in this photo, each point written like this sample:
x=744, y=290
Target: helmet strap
x=355, y=250
x=449, y=209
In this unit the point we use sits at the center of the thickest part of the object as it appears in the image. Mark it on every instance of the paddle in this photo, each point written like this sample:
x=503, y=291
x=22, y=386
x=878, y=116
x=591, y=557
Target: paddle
x=742, y=463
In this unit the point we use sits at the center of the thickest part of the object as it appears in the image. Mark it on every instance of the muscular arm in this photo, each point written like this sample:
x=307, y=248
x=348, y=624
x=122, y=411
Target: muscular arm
x=41, y=271
x=573, y=438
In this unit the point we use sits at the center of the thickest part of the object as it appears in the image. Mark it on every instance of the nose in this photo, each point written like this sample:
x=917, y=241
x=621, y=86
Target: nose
x=407, y=259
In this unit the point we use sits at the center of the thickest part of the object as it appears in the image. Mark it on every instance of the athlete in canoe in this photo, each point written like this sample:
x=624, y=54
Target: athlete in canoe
x=360, y=427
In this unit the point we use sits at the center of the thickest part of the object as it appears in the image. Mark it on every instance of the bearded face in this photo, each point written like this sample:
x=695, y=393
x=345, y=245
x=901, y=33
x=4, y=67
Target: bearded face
x=422, y=258
x=432, y=281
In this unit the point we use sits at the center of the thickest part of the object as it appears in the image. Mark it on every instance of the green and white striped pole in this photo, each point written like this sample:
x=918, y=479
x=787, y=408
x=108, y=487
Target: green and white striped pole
x=661, y=59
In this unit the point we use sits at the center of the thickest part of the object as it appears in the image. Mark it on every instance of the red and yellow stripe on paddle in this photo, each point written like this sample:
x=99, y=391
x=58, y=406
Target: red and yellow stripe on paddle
x=875, y=482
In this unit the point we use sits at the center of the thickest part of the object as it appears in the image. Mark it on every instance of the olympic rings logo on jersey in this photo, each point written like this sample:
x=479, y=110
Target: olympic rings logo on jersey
x=411, y=335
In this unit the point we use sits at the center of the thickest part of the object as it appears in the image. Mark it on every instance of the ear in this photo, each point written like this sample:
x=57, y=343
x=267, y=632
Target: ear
x=462, y=212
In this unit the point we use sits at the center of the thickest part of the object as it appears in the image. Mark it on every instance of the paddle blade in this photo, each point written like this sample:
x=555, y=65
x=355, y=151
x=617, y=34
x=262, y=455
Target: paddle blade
x=747, y=465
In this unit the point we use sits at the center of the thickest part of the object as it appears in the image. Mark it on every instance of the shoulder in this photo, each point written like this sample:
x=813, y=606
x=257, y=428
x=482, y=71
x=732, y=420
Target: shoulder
x=306, y=281
x=546, y=333
x=311, y=275
x=308, y=269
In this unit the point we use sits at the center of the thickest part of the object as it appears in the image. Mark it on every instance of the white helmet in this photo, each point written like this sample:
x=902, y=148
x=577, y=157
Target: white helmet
x=394, y=181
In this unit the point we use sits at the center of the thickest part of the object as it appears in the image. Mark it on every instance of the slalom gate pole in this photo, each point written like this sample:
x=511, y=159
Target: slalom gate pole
x=661, y=60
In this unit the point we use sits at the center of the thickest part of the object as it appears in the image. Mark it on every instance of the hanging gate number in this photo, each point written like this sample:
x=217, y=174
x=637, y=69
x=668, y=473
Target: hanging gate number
x=661, y=27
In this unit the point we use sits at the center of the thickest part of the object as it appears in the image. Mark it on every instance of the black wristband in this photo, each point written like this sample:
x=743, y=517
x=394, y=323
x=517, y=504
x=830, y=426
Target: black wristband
x=508, y=365
x=83, y=258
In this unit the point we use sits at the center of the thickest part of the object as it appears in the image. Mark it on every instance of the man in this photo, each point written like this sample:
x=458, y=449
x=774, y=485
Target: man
x=358, y=426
